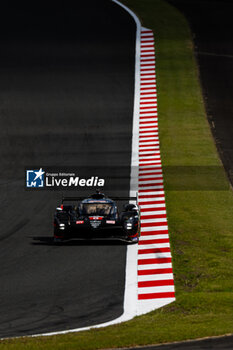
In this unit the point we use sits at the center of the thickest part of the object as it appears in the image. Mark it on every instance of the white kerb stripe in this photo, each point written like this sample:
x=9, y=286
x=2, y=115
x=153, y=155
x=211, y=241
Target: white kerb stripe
x=154, y=228
x=159, y=277
x=160, y=289
x=154, y=245
x=150, y=237
x=154, y=256
x=154, y=266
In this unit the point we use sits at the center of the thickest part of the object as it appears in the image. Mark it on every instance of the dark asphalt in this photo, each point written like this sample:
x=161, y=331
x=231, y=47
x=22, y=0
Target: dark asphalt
x=66, y=99
x=212, y=26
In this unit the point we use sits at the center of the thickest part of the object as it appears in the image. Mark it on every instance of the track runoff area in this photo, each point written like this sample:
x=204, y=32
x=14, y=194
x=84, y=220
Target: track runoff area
x=149, y=282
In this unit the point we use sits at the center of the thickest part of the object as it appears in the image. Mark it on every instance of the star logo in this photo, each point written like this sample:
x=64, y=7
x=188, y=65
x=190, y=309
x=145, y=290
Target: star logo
x=35, y=178
x=39, y=174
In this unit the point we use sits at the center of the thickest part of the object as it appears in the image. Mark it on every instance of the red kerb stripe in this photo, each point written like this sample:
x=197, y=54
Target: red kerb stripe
x=144, y=284
x=146, y=69
x=154, y=272
x=148, y=88
x=150, y=112
x=147, y=48
x=149, y=190
x=152, y=209
x=151, y=202
x=154, y=131
x=148, y=74
x=154, y=250
x=154, y=261
x=152, y=106
x=150, y=185
x=151, y=196
x=147, y=42
x=152, y=224
x=148, y=93
x=151, y=178
x=145, y=126
x=151, y=83
x=152, y=115
x=151, y=78
x=154, y=233
x=156, y=295
x=153, y=241
x=149, y=58
x=160, y=216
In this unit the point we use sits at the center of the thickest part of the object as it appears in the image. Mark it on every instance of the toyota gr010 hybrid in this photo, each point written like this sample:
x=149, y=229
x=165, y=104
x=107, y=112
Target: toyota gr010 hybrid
x=96, y=217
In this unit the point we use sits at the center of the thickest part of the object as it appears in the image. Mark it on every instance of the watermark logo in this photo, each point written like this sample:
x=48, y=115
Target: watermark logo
x=35, y=178
x=42, y=178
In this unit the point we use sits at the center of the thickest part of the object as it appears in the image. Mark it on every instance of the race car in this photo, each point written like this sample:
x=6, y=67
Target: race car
x=97, y=217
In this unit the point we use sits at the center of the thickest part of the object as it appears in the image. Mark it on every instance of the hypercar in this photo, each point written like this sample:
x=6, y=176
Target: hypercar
x=97, y=217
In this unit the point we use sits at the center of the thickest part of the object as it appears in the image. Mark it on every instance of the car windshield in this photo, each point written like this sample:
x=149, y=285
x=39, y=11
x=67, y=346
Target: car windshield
x=97, y=209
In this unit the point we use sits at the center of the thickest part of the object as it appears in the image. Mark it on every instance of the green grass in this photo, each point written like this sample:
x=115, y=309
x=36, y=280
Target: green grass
x=200, y=221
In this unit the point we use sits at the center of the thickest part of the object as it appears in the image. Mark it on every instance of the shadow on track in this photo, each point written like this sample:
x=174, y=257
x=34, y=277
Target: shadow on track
x=43, y=240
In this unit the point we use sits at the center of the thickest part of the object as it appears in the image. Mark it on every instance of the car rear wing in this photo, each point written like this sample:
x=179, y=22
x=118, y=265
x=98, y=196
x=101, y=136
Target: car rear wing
x=80, y=198
x=71, y=199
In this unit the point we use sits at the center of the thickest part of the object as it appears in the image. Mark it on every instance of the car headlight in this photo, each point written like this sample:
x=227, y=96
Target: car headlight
x=129, y=225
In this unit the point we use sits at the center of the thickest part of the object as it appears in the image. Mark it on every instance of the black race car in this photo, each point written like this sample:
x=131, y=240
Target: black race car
x=96, y=217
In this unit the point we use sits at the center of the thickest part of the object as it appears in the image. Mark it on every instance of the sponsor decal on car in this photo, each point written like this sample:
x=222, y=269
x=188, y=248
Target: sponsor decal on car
x=79, y=222
x=96, y=217
x=110, y=221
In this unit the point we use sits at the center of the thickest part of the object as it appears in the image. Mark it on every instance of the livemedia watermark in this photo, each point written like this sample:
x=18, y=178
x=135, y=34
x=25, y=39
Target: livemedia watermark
x=42, y=178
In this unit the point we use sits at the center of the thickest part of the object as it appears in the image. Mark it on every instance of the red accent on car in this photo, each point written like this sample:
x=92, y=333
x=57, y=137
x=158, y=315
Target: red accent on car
x=80, y=222
x=62, y=206
x=96, y=217
x=134, y=235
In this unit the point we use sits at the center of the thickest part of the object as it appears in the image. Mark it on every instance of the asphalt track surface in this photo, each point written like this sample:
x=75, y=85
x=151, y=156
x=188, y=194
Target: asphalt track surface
x=66, y=99
x=212, y=26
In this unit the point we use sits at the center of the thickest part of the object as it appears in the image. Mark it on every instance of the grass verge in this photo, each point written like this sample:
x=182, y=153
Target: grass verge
x=200, y=218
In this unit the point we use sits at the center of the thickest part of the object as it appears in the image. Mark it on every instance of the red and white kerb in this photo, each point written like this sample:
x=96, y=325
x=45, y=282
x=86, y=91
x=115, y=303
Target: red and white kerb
x=155, y=277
